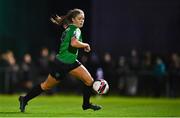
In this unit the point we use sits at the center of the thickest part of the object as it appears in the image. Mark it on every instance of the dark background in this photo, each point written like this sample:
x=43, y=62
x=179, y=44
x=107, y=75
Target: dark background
x=116, y=26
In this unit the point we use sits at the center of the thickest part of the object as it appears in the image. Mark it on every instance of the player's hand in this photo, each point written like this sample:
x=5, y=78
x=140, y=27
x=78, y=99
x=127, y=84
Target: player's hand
x=87, y=48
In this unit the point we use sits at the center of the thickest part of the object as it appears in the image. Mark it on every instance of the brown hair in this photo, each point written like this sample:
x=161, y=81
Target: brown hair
x=67, y=19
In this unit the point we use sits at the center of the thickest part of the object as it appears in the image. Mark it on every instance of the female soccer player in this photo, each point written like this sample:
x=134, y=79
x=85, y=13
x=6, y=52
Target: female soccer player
x=66, y=62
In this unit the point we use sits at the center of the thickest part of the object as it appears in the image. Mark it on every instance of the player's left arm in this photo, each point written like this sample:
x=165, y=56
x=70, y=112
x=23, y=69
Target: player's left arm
x=78, y=44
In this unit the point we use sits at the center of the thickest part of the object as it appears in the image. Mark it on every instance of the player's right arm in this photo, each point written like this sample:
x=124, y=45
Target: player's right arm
x=78, y=44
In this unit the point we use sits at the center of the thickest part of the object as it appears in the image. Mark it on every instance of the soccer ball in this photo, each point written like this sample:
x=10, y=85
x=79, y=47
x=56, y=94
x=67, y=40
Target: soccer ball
x=100, y=86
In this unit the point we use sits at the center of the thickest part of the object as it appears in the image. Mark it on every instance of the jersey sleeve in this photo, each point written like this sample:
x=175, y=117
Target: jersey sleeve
x=77, y=33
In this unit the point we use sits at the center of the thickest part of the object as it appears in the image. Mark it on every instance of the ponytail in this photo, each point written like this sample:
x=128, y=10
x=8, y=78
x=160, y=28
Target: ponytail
x=59, y=20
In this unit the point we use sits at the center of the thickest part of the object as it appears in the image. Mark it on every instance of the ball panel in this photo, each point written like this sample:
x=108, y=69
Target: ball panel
x=101, y=86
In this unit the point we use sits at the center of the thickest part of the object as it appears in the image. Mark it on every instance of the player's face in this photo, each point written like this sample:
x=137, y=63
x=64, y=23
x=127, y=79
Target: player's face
x=79, y=20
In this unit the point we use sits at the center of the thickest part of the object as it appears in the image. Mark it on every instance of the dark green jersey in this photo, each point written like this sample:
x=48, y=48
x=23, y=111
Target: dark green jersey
x=67, y=53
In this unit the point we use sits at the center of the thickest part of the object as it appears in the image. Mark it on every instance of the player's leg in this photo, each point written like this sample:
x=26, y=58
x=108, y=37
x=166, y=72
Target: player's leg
x=82, y=73
x=37, y=90
x=49, y=83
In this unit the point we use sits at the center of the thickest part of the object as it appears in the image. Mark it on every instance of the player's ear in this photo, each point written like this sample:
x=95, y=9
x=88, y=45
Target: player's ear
x=73, y=19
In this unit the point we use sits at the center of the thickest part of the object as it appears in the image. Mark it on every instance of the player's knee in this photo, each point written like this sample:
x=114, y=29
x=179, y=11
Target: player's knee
x=89, y=82
x=45, y=87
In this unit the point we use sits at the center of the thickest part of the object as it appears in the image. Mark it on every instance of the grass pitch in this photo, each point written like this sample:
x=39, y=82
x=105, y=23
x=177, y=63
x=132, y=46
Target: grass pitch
x=70, y=106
